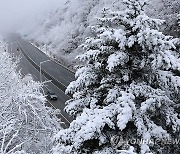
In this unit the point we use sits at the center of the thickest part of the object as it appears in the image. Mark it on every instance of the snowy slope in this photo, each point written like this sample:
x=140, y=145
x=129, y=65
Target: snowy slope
x=67, y=27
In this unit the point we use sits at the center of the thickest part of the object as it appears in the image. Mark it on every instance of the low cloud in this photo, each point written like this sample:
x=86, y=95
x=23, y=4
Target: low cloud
x=15, y=14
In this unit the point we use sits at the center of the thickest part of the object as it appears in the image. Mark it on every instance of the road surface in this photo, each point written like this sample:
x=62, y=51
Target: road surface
x=30, y=59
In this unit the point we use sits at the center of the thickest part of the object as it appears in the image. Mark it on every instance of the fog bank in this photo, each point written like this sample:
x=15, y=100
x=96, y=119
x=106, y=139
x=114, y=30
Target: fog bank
x=15, y=14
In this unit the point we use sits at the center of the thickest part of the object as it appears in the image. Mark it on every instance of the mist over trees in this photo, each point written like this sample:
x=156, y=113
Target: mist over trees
x=24, y=14
x=67, y=27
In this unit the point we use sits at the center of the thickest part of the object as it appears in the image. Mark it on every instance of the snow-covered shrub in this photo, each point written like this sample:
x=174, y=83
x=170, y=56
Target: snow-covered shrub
x=128, y=88
x=26, y=125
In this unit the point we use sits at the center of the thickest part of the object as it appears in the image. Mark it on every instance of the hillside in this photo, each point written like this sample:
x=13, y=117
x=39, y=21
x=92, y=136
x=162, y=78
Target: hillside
x=65, y=28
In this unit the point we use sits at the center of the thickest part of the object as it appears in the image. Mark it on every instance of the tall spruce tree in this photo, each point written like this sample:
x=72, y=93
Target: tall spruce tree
x=127, y=89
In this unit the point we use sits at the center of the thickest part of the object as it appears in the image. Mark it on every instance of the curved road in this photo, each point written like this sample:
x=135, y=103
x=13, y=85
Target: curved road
x=30, y=59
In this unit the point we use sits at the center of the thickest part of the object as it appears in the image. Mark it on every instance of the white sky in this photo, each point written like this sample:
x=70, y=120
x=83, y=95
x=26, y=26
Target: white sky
x=16, y=12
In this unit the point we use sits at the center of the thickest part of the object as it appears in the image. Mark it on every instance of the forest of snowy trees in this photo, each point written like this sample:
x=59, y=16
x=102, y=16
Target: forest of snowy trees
x=67, y=26
x=26, y=125
x=127, y=86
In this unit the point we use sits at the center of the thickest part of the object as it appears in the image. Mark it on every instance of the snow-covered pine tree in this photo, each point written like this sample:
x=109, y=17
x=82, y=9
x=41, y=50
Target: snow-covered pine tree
x=127, y=88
